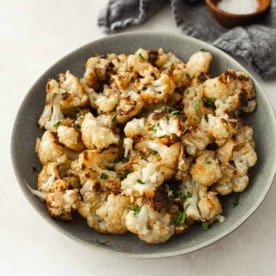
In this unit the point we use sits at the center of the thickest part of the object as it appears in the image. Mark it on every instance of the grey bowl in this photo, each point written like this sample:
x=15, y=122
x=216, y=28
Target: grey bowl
x=26, y=164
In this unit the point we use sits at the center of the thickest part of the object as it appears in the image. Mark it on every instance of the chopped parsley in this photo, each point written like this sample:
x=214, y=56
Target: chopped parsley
x=189, y=194
x=153, y=128
x=106, y=242
x=56, y=125
x=197, y=105
x=142, y=57
x=124, y=174
x=181, y=217
x=208, y=101
x=77, y=126
x=140, y=181
x=104, y=176
x=205, y=225
x=114, y=119
x=236, y=201
x=136, y=210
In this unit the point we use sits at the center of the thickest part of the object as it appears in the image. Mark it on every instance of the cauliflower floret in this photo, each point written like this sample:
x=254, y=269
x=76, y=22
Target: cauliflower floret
x=198, y=63
x=233, y=91
x=150, y=226
x=138, y=62
x=130, y=104
x=194, y=106
x=155, y=89
x=96, y=133
x=70, y=137
x=206, y=169
x=47, y=176
x=244, y=158
x=92, y=198
x=51, y=114
x=165, y=121
x=98, y=69
x=73, y=93
x=195, y=141
x=49, y=150
x=143, y=182
x=227, y=185
x=178, y=73
x=169, y=155
x=135, y=128
x=102, y=165
x=111, y=215
x=209, y=205
x=61, y=200
x=108, y=99
x=200, y=204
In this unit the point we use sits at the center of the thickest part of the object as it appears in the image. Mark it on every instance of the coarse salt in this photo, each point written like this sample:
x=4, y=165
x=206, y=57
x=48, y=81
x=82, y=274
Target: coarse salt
x=238, y=7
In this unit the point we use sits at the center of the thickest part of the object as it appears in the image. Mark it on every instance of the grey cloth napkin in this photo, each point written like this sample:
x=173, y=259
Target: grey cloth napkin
x=255, y=43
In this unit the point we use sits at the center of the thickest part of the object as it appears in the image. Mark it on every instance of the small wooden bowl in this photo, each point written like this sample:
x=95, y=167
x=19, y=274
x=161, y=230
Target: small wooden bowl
x=230, y=20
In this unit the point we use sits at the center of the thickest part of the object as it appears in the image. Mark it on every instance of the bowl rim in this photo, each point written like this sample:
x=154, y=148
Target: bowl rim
x=147, y=255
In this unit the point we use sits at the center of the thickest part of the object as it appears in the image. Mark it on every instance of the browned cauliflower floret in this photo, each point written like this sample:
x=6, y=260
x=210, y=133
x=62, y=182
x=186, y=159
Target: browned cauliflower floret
x=73, y=94
x=51, y=114
x=70, y=137
x=47, y=176
x=129, y=105
x=135, y=128
x=155, y=88
x=200, y=204
x=97, y=132
x=106, y=101
x=168, y=155
x=49, y=150
x=99, y=68
x=232, y=91
x=206, y=169
x=194, y=106
x=111, y=215
x=165, y=121
x=195, y=141
x=61, y=200
x=198, y=63
x=143, y=182
x=102, y=165
x=150, y=225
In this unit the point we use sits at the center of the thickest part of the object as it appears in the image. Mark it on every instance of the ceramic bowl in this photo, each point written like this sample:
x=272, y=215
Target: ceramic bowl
x=228, y=19
x=26, y=164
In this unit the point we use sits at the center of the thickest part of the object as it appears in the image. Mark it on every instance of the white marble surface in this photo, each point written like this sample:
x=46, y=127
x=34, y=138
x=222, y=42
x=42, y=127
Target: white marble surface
x=34, y=34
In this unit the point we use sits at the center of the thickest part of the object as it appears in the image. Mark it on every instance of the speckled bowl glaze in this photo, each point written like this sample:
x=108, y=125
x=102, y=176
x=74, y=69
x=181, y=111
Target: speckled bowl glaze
x=25, y=159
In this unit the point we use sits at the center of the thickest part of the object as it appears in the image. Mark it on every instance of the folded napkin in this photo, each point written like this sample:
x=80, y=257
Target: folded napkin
x=255, y=43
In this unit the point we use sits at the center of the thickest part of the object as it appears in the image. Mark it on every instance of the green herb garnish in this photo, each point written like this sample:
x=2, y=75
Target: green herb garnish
x=140, y=181
x=124, y=174
x=236, y=201
x=181, y=218
x=104, y=176
x=56, y=125
x=136, y=210
x=142, y=57
x=77, y=126
x=153, y=128
x=197, y=105
x=205, y=225
x=208, y=101
x=102, y=242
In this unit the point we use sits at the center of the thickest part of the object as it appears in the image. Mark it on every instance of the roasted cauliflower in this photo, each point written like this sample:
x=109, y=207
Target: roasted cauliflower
x=145, y=143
